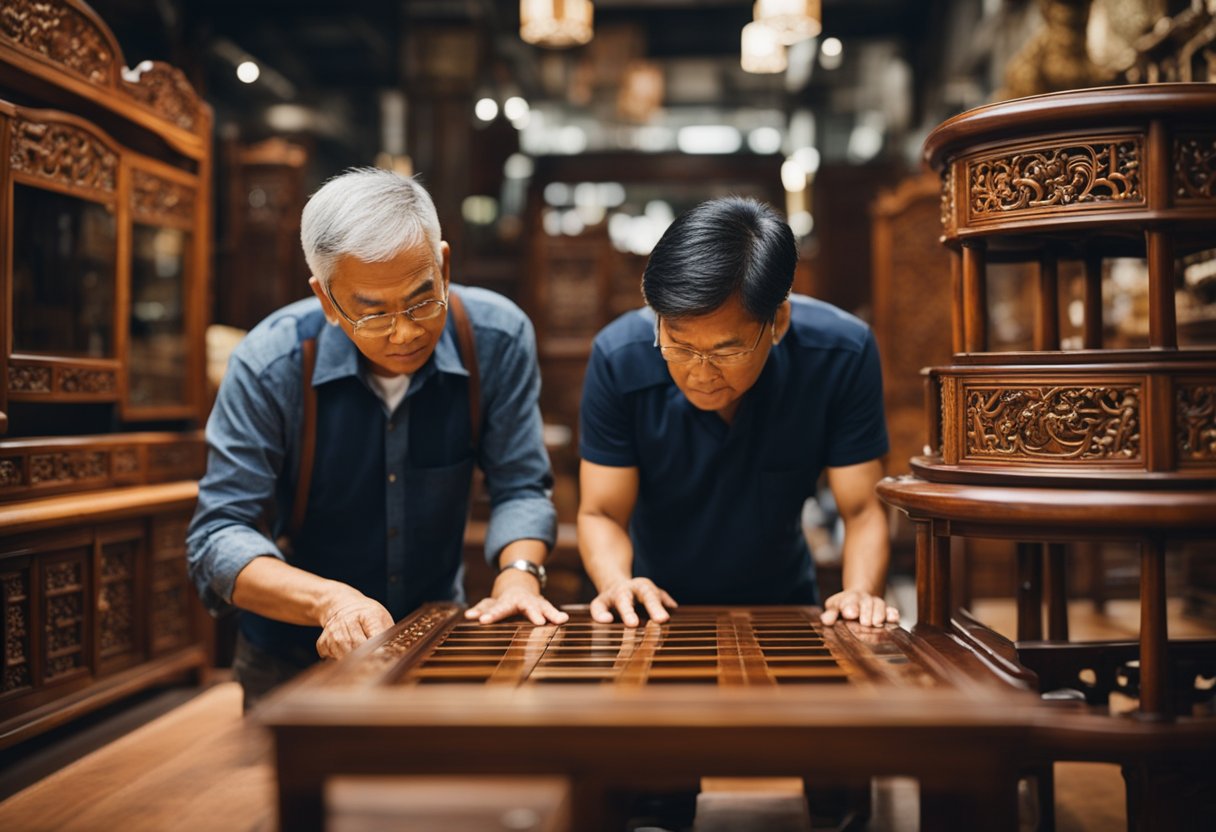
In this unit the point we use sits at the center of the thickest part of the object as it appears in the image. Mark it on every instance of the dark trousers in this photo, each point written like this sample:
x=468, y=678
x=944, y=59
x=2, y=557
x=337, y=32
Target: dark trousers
x=259, y=672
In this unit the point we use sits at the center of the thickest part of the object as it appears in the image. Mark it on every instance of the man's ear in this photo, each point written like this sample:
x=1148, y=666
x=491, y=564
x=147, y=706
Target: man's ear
x=781, y=321
x=445, y=266
x=327, y=308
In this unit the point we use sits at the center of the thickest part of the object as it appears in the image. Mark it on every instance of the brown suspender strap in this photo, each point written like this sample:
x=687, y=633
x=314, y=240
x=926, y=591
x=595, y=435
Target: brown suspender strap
x=468, y=352
x=308, y=434
x=308, y=423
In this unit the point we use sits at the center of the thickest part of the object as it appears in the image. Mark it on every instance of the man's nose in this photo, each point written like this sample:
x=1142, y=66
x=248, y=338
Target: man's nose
x=404, y=330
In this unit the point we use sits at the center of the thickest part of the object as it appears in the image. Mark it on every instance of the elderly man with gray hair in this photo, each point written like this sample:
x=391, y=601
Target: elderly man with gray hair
x=352, y=444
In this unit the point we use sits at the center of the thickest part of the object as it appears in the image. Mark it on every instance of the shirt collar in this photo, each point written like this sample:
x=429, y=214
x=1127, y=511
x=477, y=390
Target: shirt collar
x=338, y=357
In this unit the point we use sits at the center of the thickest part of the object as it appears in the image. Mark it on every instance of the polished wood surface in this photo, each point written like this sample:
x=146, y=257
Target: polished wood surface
x=717, y=691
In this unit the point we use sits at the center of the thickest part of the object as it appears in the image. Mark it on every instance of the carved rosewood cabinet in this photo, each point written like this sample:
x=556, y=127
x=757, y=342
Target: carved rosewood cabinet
x=104, y=252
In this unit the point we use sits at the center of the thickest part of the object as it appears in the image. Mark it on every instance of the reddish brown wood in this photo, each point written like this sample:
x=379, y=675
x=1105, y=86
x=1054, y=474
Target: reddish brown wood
x=1057, y=591
x=1092, y=325
x=1047, y=320
x=924, y=569
x=1162, y=319
x=975, y=298
x=939, y=604
x=1154, y=634
x=1030, y=591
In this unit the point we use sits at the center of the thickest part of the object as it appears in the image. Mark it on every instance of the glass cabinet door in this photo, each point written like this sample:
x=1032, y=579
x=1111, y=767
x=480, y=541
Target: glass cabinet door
x=157, y=371
x=64, y=255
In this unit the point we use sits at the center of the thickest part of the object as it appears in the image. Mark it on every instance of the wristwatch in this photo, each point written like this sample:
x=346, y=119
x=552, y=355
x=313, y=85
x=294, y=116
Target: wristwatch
x=534, y=569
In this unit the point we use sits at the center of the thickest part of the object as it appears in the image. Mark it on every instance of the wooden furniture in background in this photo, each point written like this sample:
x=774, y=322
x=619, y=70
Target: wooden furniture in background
x=714, y=692
x=105, y=180
x=1052, y=445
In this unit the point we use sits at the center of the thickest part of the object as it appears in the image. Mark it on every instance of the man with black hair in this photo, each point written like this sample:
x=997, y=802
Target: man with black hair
x=707, y=418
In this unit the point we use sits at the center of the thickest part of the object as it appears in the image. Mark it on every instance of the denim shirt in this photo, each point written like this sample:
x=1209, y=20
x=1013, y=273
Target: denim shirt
x=388, y=498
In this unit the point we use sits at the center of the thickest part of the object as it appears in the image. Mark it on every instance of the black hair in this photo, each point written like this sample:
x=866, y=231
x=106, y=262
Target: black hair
x=719, y=249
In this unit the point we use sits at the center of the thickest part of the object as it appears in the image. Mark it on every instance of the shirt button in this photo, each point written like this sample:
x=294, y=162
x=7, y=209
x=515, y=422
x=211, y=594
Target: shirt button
x=394, y=578
x=392, y=477
x=392, y=531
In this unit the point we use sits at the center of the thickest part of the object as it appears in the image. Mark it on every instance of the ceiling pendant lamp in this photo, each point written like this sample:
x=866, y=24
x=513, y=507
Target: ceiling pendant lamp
x=792, y=20
x=556, y=23
x=761, y=50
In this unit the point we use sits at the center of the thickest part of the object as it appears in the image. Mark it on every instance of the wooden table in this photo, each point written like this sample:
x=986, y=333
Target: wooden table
x=715, y=692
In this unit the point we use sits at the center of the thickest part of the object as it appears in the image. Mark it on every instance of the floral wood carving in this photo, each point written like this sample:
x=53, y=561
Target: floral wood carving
x=1196, y=422
x=153, y=197
x=948, y=199
x=394, y=650
x=63, y=575
x=29, y=379
x=10, y=472
x=1061, y=176
x=60, y=34
x=75, y=380
x=1195, y=167
x=164, y=89
x=68, y=467
x=63, y=153
x=15, y=595
x=1055, y=424
x=126, y=461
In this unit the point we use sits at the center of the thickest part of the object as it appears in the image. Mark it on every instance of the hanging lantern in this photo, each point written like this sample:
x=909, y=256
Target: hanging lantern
x=761, y=49
x=556, y=23
x=792, y=20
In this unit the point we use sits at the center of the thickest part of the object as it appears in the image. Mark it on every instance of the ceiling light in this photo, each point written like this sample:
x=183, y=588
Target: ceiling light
x=709, y=138
x=515, y=108
x=248, y=71
x=764, y=140
x=761, y=50
x=556, y=23
x=831, y=47
x=486, y=109
x=792, y=20
x=793, y=177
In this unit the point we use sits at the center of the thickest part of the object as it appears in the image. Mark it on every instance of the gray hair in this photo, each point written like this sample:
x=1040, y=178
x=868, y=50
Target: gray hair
x=370, y=214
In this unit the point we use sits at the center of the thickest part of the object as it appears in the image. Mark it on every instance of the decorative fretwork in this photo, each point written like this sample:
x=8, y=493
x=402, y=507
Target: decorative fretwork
x=390, y=652
x=1054, y=423
x=10, y=472
x=1069, y=175
x=125, y=461
x=1195, y=167
x=63, y=575
x=153, y=197
x=169, y=621
x=29, y=379
x=93, y=382
x=165, y=90
x=15, y=601
x=947, y=202
x=62, y=665
x=68, y=467
x=1196, y=422
x=60, y=34
x=65, y=622
x=63, y=153
x=172, y=457
x=116, y=623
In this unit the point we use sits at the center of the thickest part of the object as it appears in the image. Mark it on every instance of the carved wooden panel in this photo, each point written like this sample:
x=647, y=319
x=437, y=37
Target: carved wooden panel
x=157, y=199
x=1056, y=176
x=26, y=379
x=1055, y=424
x=17, y=665
x=1195, y=168
x=74, y=467
x=170, y=595
x=118, y=605
x=65, y=604
x=41, y=467
x=32, y=379
x=61, y=34
x=1195, y=427
x=164, y=90
x=63, y=153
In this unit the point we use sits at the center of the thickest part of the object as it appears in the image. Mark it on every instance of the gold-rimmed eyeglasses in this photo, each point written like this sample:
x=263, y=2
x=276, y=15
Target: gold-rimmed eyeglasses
x=686, y=355
x=379, y=325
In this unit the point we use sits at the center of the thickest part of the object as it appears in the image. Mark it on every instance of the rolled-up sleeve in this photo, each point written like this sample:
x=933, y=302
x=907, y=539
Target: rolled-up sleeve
x=512, y=453
x=245, y=451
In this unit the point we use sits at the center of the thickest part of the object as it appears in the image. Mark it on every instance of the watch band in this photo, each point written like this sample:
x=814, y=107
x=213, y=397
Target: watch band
x=534, y=569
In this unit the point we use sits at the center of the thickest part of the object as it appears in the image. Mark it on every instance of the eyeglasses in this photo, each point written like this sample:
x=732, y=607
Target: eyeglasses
x=685, y=355
x=377, y=326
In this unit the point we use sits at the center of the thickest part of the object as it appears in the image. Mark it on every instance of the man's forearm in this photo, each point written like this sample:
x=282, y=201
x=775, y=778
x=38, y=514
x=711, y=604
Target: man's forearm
x=866, y=551
x=605, y=548
x=526, y=549
x=276, y=589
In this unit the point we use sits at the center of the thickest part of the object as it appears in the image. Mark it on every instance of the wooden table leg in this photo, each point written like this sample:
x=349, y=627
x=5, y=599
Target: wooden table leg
x=1030, y=591
x=1057, y=592
x=924, y=568
x=301, y=790
x=939, y=612
x=1154, y=635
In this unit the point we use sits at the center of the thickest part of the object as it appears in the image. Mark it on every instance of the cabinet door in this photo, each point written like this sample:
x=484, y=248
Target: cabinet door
x=121, y=598
x=171, y=594
x=16, y=592
x=66, y=630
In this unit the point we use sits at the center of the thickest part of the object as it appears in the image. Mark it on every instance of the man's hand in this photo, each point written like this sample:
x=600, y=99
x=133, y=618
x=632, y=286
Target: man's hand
x=859, y=606
x=622, y=595
x=516, y=592
x=348, y=619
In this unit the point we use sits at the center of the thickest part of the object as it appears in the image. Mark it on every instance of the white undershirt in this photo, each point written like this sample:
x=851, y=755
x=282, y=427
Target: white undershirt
x=390, y=389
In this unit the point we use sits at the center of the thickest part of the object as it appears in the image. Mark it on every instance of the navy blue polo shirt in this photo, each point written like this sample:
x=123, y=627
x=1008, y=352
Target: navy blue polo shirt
x=717, y=519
